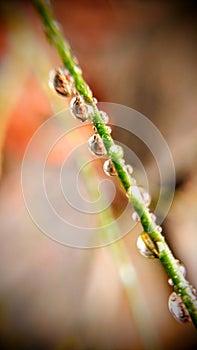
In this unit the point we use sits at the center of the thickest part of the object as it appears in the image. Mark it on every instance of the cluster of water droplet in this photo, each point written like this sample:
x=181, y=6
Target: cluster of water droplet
x=61, y=81
x=95, y=142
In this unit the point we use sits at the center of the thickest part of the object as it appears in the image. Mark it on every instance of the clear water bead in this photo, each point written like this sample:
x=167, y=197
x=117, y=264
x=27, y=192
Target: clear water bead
x=177, y=308
x=96, y=146
x=182, y=268
x=129, y=169
x=159, y=229
x=62, y=82
x=104, y=117
x=79, y=108
x=109, y=168
x=117, y=150
x=153, y=217
x=170, y=282
x=146, y=246
x=135, y=216
x=146, y=196
x=109, y=129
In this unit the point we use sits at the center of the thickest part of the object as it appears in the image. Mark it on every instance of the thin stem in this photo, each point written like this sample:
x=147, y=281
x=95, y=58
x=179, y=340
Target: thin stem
x=181, y=285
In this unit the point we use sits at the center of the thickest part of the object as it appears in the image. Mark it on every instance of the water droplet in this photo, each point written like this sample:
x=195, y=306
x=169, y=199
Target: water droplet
x=96, y=146
x=95, y=100
x=135, y=216
x=170, y=282
x=177, y=308
x=153, y=217
x=109, y=168
x=117, y=150
x=79, y=109
x=104, y=117
x=159, y=229
x=109, y=129
x=146, y=247
x=146, y=196
x=181, y=267
x=134, y=192
x=62, y=82
x=129, y=169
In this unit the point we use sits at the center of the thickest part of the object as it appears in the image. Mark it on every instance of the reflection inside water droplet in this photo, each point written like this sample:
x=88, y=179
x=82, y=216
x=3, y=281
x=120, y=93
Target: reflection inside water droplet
x=79, y=109
x=62, y=82
x=109, y=168
x=96, y=146
x=146, y=247
x=177, y=308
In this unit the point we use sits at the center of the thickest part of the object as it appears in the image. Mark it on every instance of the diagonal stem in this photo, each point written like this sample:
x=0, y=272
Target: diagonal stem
x=181, y=285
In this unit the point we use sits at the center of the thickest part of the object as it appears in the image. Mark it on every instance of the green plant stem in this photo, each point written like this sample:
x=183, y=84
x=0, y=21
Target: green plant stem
x=181, y=285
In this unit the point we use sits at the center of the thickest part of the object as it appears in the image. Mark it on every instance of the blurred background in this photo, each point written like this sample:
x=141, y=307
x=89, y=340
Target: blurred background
x=141, y=54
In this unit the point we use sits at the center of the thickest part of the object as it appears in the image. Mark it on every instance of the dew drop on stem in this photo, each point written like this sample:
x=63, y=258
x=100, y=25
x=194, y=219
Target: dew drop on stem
x=96, y=146
x=109, y=168
x=146, y=196
x=104, y=117
x=178, y=308
x=146, y=247
x=135, y=216
x=159, y=229
x=62, y=82
x=95, y=100
x=79, y=109
x=181, y=267
x=117, y=150
x=129, y=169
